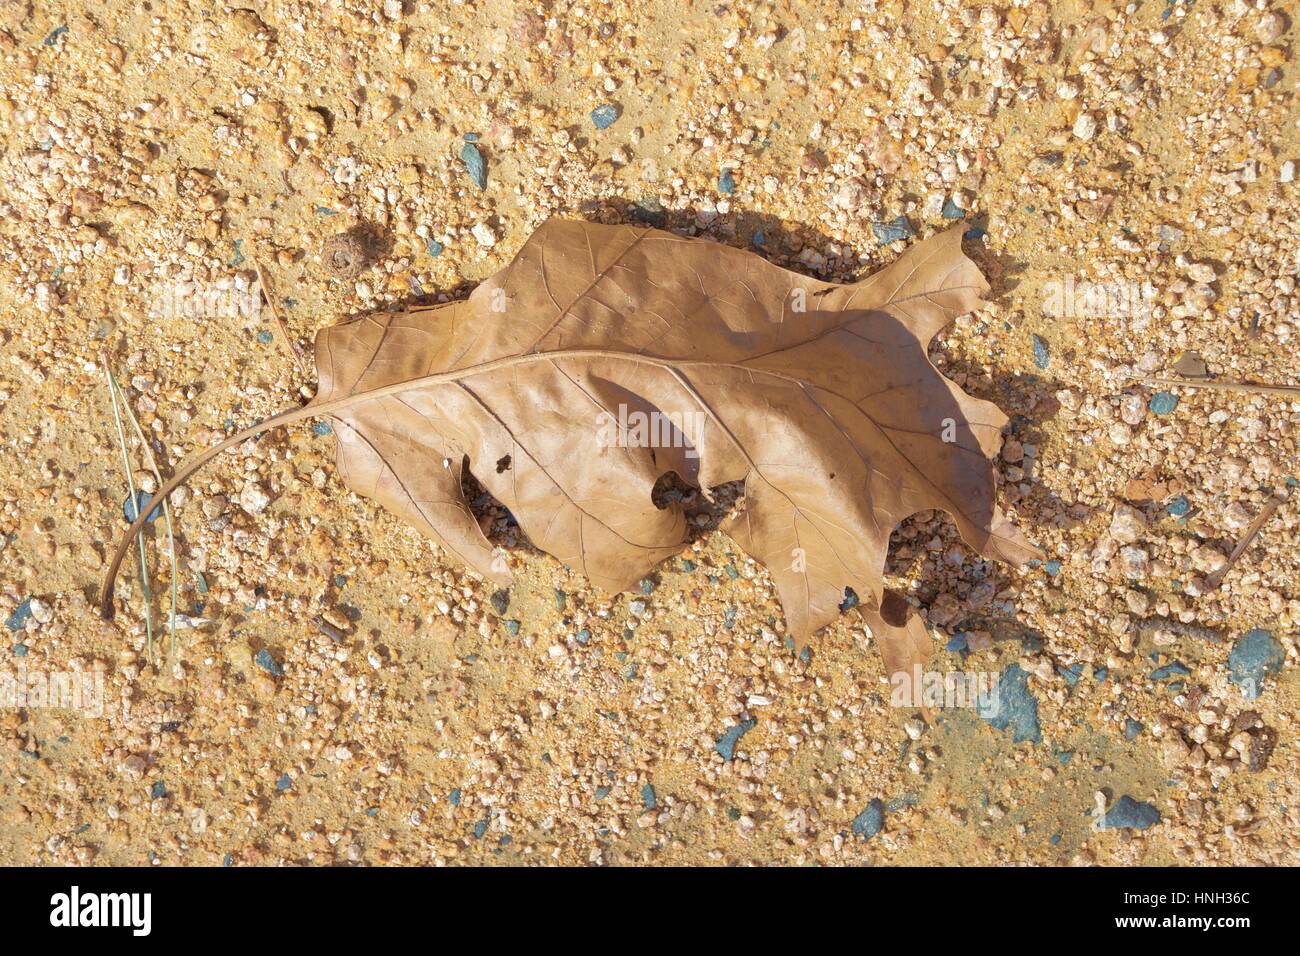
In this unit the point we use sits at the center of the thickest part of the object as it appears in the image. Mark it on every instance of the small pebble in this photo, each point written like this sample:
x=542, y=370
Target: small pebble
x=475, y=164
x=896, y=230
x=870, y=821
x=726, y=744
x=603, y=116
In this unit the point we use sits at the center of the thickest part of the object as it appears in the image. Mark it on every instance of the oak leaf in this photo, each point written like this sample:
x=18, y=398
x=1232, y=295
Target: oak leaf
x=603, y=357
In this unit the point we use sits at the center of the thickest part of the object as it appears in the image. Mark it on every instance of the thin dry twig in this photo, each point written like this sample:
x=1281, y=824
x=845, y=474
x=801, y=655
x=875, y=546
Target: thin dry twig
x=1291, y=391
x=1215, y=579
x=288, y=341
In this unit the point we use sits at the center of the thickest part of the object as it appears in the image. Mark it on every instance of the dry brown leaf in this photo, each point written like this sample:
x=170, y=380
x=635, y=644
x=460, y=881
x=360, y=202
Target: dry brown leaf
x=904, y=643
x=819, y=396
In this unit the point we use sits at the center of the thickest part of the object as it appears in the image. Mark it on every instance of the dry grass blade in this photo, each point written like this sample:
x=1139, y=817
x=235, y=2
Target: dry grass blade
x=285, y=338
x=139, y=532
x=116, y=393
x=1289, y=391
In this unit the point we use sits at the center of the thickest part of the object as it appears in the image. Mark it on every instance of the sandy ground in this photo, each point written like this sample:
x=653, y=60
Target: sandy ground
x=347, y=694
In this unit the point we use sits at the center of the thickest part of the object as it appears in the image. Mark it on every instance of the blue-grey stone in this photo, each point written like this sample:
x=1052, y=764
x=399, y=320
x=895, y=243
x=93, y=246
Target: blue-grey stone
x=1172, y=669
x=475, y=164
x=1162, y=403
x=1071, y=673
x=1017, y=707
x=896, y=230
x=870, y=821
x=268, y=663
x=726, y=744
x=1042, y=356
x=133, y=506
x=1256, y=655
x=18, y=618
x=650, y=210
x=951, y=210
x=604, y=115
x=1130, y=814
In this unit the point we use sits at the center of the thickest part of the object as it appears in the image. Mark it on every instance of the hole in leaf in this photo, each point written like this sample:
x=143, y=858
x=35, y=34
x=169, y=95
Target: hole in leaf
x=894, y=608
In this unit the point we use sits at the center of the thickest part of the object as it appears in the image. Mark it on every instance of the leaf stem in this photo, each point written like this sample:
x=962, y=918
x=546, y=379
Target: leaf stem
x=182, y=473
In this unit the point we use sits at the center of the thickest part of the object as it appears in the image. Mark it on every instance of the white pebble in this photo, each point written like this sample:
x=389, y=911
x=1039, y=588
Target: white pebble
x=42, y=613
x=1127, y=524
x=253, y=499
x=1269, y=28
x=1132, y=409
